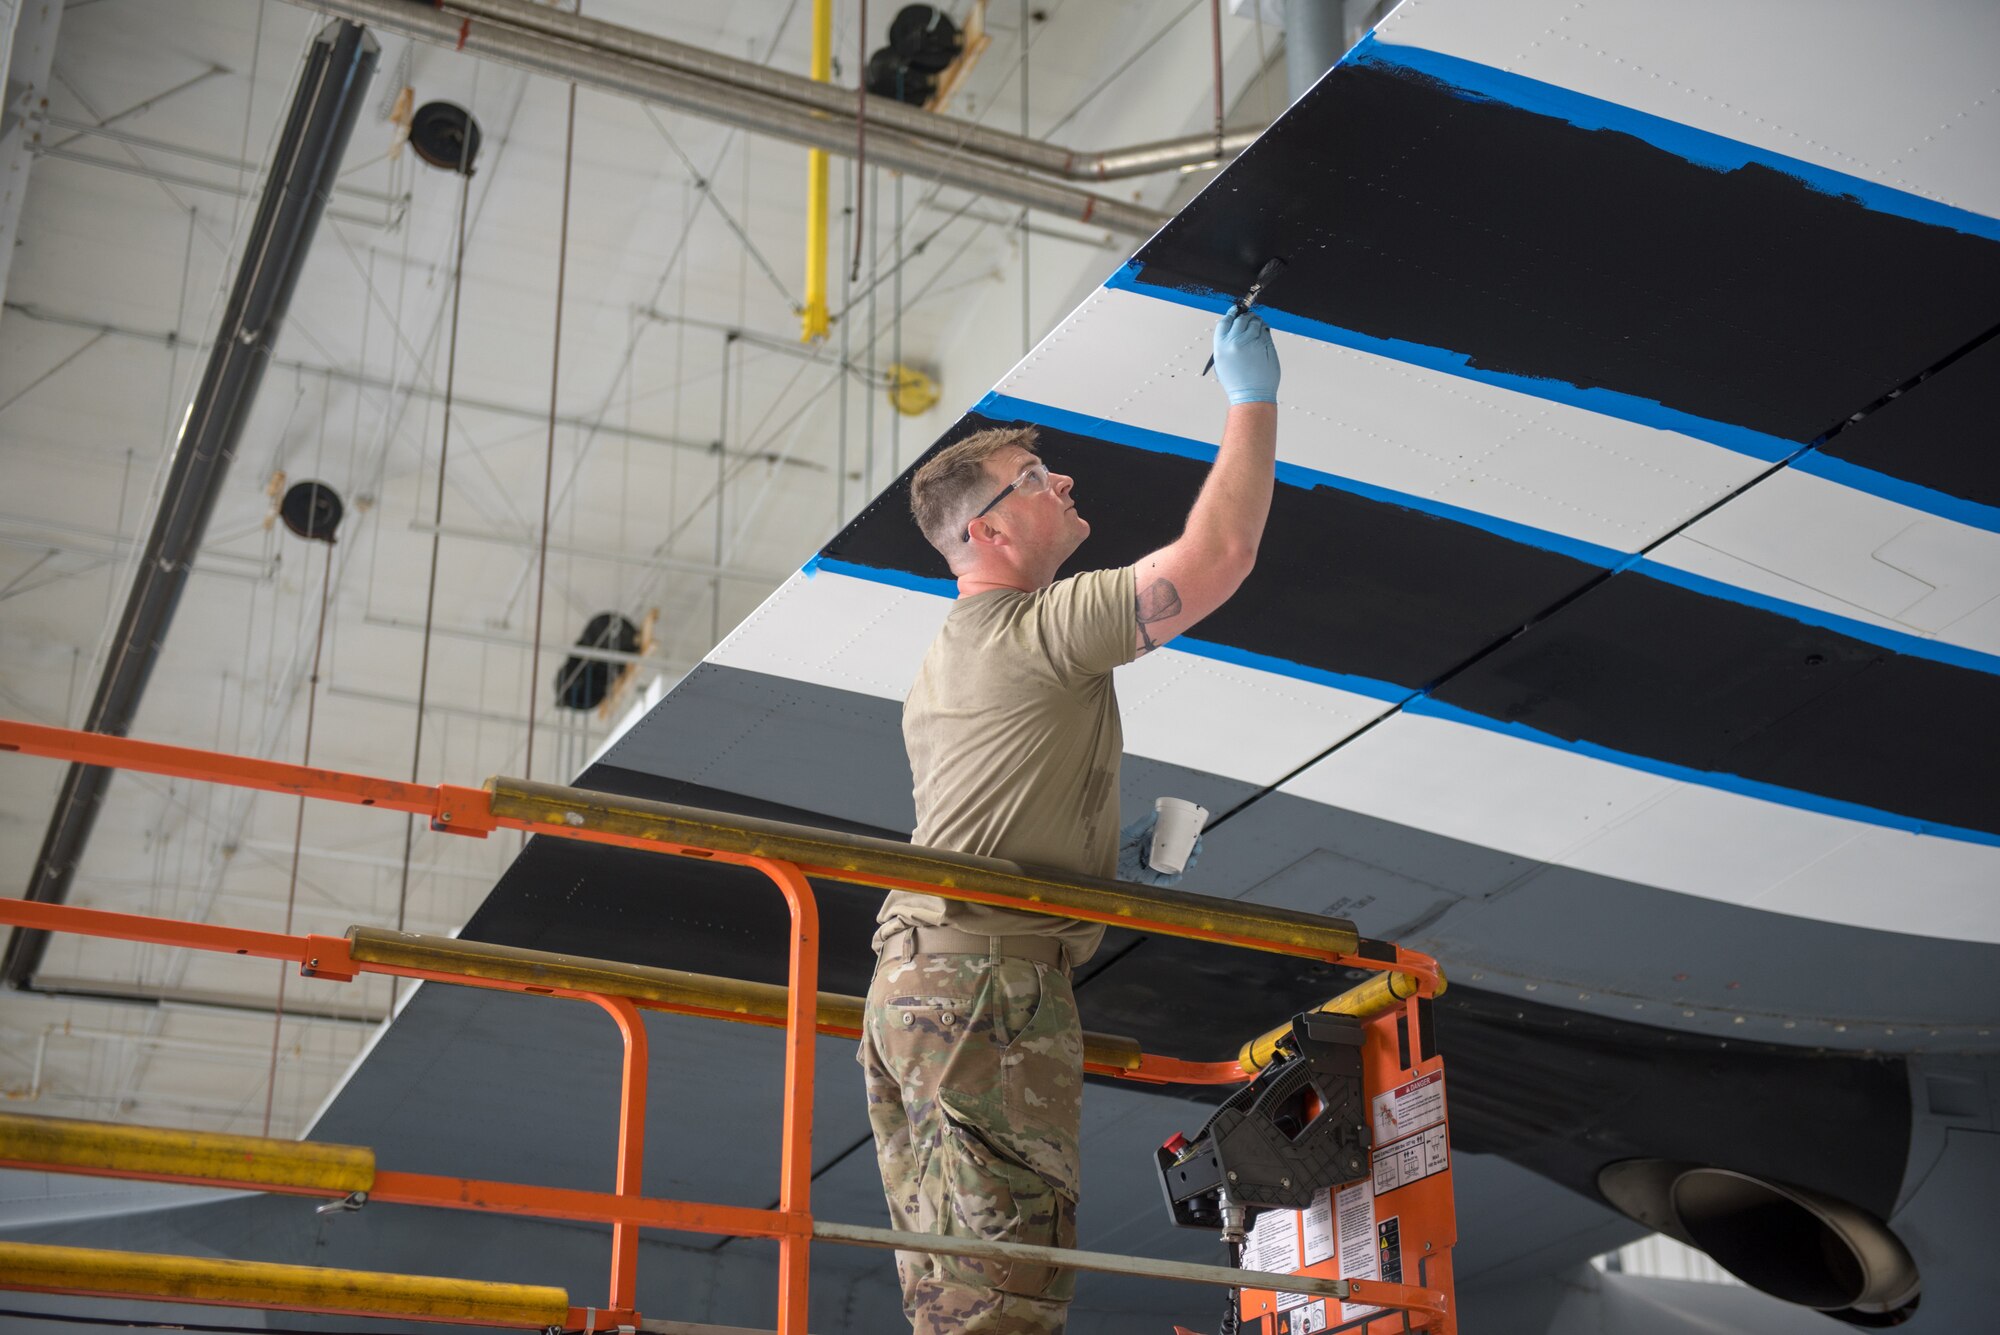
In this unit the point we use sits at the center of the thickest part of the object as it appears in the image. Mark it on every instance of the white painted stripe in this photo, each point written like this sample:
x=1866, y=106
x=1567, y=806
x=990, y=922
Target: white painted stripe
x=1558, y=807
x=1904, y=98
x=1818, y=544
x=833, y=630
x=1238, y=722
x=1793, y=536
x=1137, y=360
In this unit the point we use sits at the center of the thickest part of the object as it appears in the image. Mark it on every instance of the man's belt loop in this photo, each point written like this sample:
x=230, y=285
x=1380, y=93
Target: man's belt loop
x=1043, y=950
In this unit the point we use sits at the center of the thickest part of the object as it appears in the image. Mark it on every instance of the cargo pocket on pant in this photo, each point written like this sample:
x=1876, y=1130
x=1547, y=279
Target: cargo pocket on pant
x=988, y=1195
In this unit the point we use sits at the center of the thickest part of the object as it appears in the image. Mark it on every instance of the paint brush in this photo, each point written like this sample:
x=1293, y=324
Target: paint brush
x=1272, y=268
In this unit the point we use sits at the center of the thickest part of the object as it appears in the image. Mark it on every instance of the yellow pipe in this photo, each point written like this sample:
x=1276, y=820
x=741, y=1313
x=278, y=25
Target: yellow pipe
x=156, y=1152
x=200, y=1279
x=669, y=988
x=1383, y=991
x=813, y=319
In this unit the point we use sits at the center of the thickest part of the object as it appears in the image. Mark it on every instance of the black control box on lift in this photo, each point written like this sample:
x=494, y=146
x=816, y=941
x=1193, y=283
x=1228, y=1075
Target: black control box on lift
x=1300, y=1127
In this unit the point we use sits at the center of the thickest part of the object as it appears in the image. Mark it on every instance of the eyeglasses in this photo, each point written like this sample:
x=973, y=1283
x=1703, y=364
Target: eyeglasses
x=1034, y=478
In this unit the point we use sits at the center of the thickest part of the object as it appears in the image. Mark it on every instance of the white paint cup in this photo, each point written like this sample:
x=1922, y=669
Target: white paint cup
x=1179, y=825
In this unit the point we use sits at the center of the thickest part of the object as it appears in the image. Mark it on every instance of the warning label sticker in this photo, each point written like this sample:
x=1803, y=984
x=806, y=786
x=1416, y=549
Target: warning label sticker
x=1409, y=1108
x=1273, y=1246
x=1310, y=1318
x=1412, y=1160
x=1319, y=1228
x=1389, y=1242
x=1354, y=1215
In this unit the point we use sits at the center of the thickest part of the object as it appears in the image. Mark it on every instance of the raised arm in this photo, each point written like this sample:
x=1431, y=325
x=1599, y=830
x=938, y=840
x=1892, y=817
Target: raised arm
x=1190, y=577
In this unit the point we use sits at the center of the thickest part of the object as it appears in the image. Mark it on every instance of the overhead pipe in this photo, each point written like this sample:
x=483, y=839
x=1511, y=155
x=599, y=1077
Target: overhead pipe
x=303, y=173
x=1315, y=40
x=757, y=112
x=813, y=319
x=883, y=112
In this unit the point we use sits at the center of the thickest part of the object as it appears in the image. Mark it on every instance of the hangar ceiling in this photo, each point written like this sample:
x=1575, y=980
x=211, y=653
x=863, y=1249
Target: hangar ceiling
x=161, y=122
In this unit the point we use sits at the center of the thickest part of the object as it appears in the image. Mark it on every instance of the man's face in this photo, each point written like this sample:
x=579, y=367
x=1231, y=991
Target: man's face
x=1044, y=524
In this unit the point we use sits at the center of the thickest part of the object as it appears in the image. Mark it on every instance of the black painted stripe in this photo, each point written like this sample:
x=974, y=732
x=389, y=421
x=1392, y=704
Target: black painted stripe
x=1540, y=248
x=1351, y=585
x=1387, y=593
x=1943, y=433
x=1642, y=666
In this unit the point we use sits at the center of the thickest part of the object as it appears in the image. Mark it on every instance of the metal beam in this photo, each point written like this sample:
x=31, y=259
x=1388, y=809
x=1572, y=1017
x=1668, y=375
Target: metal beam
x=27, y=52
x=41, y=534
x=709, y=569
x=479, y=636
x=557, y=725
x=461, y=400
x=85, y=129
x=149, y=996
x=389, y=218
x=325, y=106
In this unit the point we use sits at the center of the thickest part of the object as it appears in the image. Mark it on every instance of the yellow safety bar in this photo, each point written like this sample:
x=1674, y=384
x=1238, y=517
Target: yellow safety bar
x=671, y=989
x=203, y=1279
x=197, y=1156
x=827, y=855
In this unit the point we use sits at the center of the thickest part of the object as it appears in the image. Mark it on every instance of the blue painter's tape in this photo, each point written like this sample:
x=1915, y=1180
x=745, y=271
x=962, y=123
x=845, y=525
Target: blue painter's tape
x=1485, y=83
x=1414, y=702
x=1902, y=642
x=1386, y=691
x=1005, y=408
x=901, y=579
x=1733, y=783
x=1604, y=402
x=1916, y=496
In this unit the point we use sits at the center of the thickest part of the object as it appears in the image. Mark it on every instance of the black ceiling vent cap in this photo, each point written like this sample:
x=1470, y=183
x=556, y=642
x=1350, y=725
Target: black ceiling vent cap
x=925, y=38
x=582, y=683
x=445, y=135
x=312, y=510
x=923, y=41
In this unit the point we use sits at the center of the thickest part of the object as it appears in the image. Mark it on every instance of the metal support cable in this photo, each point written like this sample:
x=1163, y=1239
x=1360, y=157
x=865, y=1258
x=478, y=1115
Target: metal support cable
x=706, y=187
x=298, y=833
x=437, y=535
x=549, y=462
x=860, y=130
x=1027, y=287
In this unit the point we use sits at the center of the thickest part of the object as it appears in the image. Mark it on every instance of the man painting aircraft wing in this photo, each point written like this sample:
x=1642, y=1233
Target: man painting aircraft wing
x=972, y=1047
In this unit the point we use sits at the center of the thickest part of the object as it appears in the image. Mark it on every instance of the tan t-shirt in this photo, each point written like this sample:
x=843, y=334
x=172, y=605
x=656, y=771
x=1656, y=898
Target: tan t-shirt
x=1014, y=741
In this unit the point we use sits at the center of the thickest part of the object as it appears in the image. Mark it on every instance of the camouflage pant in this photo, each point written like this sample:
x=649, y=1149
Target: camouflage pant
x=974, y=1069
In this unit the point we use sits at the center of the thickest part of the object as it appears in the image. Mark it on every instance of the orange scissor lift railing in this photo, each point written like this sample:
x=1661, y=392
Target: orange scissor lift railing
x=1399, y=1047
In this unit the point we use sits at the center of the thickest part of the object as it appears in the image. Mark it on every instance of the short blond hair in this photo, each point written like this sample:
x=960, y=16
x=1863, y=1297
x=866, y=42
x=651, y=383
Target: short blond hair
x=954, y=483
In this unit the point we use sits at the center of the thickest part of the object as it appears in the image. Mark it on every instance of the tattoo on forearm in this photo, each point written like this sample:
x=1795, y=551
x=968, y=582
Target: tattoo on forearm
x=1157, y=602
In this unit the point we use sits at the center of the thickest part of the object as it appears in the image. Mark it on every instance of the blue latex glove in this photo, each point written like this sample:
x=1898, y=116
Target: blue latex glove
x=1135, y=841
x=1246, y=361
